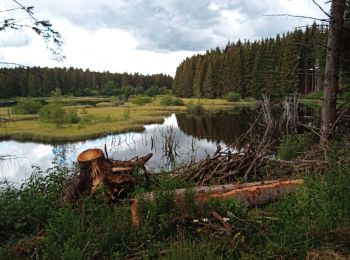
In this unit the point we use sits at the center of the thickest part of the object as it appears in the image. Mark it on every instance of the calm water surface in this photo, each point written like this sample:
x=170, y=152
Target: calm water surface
x=192, y=139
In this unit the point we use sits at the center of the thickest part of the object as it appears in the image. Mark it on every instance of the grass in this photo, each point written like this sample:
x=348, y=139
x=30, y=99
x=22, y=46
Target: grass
x=310, y=221
x=100, y=120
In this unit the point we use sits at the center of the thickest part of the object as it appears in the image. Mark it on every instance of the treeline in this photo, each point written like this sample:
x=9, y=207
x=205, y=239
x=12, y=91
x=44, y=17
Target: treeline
x=36, y=81
x=293, y=62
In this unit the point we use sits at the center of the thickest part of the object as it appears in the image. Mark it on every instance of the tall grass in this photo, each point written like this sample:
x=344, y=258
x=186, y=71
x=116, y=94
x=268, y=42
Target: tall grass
x=97, y=229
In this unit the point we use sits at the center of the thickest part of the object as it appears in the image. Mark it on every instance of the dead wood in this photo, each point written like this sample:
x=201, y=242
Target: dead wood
x=252, y=194
x=95, y=171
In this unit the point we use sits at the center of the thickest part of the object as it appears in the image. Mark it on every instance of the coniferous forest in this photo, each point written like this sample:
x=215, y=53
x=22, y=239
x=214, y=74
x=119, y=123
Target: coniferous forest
x=290, y=63
x=36, y=81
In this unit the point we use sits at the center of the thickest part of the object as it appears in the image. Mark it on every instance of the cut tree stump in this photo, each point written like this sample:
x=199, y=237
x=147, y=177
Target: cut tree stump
x=252, y=194
x=95, y=171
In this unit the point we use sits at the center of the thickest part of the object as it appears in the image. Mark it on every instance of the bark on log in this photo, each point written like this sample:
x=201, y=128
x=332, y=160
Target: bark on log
x=96, y=171
x=91, y=172
x=254, y=194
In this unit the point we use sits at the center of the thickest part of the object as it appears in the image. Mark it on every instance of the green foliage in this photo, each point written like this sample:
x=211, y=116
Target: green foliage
x=171, y=101
x=292, y=145
x=304, y=219
x=117, y=101
x=29, y=207
x=94, y=230
x=53, y=112
x=233, y=97
x=27, y=106
x=71, y=116
x=152, y=91
x=275, y=66
x=36, y=81
x=315, y=95
x=140, y=100
x=195, y=109
x=109, y=89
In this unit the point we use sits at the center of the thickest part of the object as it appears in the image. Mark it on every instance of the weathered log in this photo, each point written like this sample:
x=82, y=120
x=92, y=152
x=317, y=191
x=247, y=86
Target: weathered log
x=253, y=194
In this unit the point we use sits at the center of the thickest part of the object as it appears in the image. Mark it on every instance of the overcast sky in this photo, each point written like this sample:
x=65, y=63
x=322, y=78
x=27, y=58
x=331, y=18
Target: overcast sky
x=142, y=35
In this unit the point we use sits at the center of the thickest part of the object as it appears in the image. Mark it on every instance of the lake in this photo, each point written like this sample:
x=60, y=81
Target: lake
x=180, y=139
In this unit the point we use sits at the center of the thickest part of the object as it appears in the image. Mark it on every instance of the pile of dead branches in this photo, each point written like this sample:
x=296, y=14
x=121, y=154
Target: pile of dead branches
x=227, y=165
x=250, y=163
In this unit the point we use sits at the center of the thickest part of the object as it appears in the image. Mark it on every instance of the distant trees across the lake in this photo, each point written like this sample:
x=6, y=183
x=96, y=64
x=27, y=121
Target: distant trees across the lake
x=293, y=62
x=36, y=82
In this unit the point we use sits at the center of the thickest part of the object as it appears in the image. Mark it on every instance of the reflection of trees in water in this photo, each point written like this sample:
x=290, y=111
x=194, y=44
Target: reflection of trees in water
x=61, y=153
x=225, y=126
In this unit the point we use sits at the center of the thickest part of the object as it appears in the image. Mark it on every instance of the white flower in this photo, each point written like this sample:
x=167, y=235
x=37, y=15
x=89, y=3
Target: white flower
x=225, y=219
x=195, y=221
x=205, y=220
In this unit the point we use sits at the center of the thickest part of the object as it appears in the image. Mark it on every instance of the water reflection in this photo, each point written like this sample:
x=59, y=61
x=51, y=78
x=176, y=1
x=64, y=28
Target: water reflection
x=221, y=126
x=187, y=139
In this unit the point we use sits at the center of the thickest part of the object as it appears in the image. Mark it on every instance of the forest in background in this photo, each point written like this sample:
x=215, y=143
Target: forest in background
x=291, y=63
x=36, y=82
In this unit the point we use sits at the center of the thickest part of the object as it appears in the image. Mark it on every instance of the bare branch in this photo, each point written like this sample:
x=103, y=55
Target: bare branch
x=9, y=10
x=299, y=16
x=323, y=11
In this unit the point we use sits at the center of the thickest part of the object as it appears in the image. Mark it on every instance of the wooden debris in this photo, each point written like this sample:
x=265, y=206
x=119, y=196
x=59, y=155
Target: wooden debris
x=227, y=166
x=253, y=194
x=98, y=171
x=225, y=224
x=247, y=163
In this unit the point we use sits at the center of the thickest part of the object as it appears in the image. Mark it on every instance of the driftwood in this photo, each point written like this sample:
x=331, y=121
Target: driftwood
x=253, y=194
x=98, y=171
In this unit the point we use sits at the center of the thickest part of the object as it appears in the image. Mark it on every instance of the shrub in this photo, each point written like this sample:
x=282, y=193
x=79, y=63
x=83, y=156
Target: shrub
x=152, y=91
x=27, y=107
x=30, y=206
x=53, y=112
x=292, y=145
x=233, y=97
x=195, y=109
x=72, y=116
x=141, y=100
x=117, y=101
x=171, y=101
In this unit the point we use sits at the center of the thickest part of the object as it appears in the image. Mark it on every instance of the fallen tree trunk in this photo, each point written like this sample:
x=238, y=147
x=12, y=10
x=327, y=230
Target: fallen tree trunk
x=253, y=194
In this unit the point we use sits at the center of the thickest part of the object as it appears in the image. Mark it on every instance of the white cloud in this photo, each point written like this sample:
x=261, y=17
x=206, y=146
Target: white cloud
x=148, y=36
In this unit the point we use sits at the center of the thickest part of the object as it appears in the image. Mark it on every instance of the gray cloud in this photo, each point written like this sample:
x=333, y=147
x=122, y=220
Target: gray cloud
x=11, y=38
x=171, y=25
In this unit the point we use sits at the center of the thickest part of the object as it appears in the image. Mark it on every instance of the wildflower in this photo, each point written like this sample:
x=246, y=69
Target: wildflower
x=195, y=221
x=205, y=220
x=225, y=219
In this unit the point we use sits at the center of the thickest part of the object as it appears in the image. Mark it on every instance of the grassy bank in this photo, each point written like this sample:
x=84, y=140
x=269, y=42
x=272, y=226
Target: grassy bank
x=102, y=119
x=314, y=221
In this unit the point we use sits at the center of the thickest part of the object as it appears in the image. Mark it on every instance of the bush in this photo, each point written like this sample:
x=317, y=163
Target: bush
x=171, y=101
x=292, y=145
x=117, y=101
x=152, y=91
x=72, y=116
x=233, y=97
x=141, y=100
x=195, y=109
x=29, y=207
x=53, y=112
x=27, y=107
